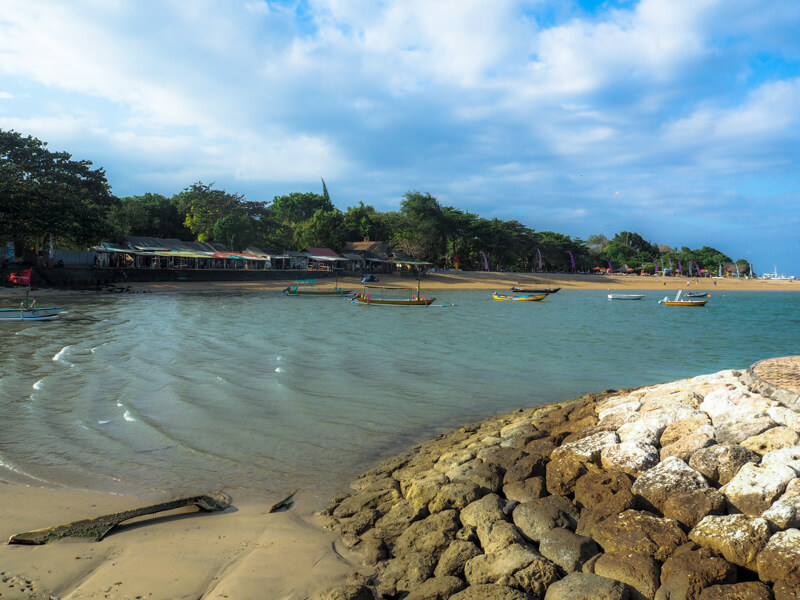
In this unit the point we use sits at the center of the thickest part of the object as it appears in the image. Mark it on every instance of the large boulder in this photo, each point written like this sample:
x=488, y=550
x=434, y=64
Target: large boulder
x=785, y=511
x=587, y=586
x=484, y=510
x=495, y=536
x=772, y=439
x=687, y=445
x=748, y=590
x=738, y=538
x=688, y=573
x=454, y=558
x=537, y=517
x=567, y=549
x=755, y=488
x=382, y=500
x=437, y=588
x=351, y=591
x=430, y=536
x=562, y=473
x=680, y=429
x=789, y=457
x=719, y=463
x=780, y=558
x=500, y=566
x=598, y=487
x=632, y=457
x=525, y=490
x=491, y=592
x=735, y=430
x=588, y=449
x=395, y=522
x=527, y=466
x=641, y=572
x=642, y=532
x=405, y=573
x=424, y=489
x=455, y=495
x=671, y=476
x=646, y=431
x=786, y=591
x=689, y=508
x=488, y=476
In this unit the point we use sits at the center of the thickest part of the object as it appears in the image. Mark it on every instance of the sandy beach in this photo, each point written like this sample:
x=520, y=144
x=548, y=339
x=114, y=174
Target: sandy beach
x=243, y=552
x=444, y=280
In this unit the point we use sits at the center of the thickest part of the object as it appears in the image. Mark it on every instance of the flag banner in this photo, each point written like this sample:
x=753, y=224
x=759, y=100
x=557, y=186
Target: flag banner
x=21, y=278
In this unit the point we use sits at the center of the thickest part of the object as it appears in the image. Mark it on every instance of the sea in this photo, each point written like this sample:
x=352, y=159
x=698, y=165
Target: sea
x=180, y=393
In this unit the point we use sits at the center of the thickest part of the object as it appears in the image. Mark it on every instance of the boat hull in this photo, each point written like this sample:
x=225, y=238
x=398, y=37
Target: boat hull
x=503, y=297
x=34, y=314
x=685, y=302
x=625, y=296
x=336, y=292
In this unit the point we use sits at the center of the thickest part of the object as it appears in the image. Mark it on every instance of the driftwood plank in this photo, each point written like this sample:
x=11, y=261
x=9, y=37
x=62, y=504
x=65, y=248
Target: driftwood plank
x=96, y=529
x=284, y=504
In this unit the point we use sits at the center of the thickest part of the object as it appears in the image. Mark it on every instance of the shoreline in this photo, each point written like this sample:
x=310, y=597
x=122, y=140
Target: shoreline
x=242, y=551
x=463, y=280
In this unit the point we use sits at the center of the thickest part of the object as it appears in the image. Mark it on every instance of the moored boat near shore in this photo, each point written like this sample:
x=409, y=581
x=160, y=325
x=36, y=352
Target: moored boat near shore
x=679, y=302
x=305, y=287
x=524, y=298
x=625, y=296
x=535, y=290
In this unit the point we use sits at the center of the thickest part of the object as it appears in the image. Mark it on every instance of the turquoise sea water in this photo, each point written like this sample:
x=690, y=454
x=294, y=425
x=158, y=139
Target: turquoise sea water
x=258, y=391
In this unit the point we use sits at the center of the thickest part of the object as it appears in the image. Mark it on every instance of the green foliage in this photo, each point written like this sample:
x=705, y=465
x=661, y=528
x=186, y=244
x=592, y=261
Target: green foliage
x=204, y=206
x=46, y=193
x=151, y=215
x=298, y=207
x=324, y=229
x=235, y=231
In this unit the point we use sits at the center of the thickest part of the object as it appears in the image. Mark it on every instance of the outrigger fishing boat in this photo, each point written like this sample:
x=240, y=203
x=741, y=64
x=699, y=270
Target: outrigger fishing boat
x=678, y=302
x=697, y=295
x=305, y=287
x=625, y=296
x=374, y=295
x=524, y=298
x=28, y=311
x=535, y=290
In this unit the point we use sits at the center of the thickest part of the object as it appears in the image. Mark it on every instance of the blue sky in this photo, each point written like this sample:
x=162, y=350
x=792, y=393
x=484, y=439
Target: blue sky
x=678, y=119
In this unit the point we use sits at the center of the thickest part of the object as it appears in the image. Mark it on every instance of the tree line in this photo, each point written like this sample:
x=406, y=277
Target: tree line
x=44, y=193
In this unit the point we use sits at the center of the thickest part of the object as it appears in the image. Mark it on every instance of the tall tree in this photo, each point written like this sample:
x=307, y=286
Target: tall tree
x=151, y=215
x=47, y=193
x=204, y=206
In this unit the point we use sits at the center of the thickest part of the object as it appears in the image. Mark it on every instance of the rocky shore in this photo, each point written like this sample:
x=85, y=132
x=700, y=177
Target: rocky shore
x=690, y=489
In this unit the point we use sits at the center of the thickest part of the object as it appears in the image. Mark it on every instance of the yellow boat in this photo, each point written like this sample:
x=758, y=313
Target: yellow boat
x=373, y=295
x=678, y=302
x=526, y=298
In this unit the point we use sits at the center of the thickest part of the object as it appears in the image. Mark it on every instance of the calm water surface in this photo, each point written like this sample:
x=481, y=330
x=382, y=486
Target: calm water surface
x=262, y=392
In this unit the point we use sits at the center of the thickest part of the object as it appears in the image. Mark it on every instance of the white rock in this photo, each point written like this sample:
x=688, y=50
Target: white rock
x=643, y=430
x=631, y=406
x=784, y=416
x=754, y=488
x=588, y=449
x=448, y=460
x=670, y=476
x=633, y=458
x=785, y=511
x=789, y=457
x=737, y=537
x=721, y=402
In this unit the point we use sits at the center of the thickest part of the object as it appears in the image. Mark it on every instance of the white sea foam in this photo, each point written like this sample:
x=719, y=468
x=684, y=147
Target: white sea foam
x=60, y=355
x=119, y=404
x=279, y=370
x=103, y=422
x=38, y=384
x=128, y=416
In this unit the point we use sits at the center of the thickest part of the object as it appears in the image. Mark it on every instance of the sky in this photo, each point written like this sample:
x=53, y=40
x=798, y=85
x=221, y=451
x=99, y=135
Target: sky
x=676, y=119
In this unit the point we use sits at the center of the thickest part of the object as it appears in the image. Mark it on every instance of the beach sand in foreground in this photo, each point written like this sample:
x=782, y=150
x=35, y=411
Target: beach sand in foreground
x=243, y=552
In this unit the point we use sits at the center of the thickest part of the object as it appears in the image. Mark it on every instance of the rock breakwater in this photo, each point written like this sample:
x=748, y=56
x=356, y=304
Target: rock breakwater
x=689, y=489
